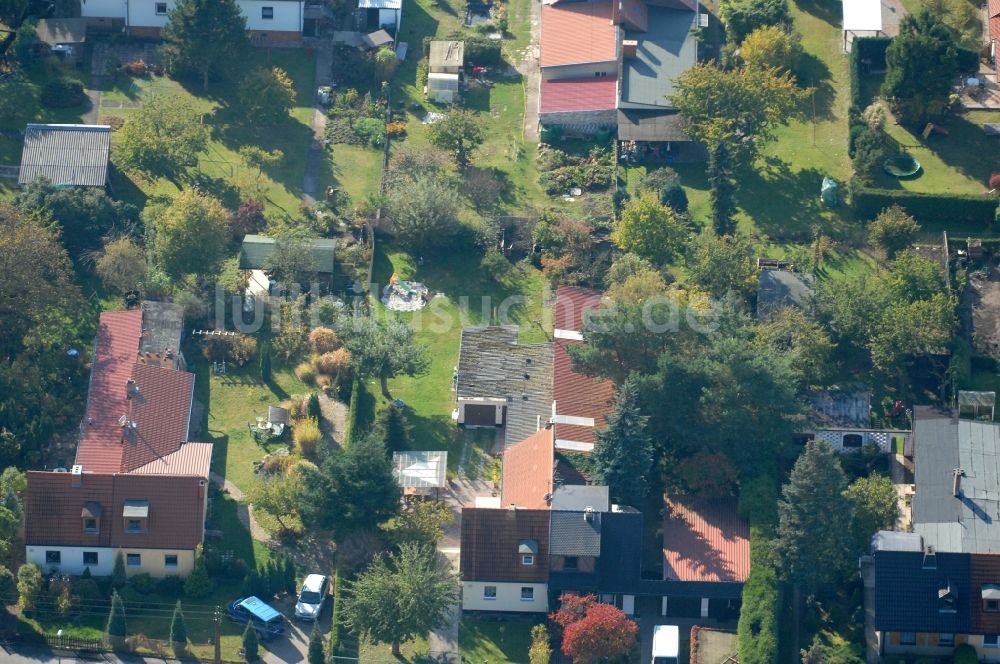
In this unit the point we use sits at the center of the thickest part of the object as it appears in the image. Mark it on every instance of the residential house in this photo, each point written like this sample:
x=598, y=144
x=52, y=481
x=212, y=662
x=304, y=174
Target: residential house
x=957, y=482
x=612, y=64
x=502, y=383
x=547, y=538
x=927, y=602
x=580, y=403
x=275, y=20
x=444, y=70
x=67, y=155
x=385, y=14
x=137, y=486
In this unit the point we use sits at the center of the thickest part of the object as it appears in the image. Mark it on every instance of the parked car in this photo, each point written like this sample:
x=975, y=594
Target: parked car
x=266, y=620
x=312, y=597
x=666, y=644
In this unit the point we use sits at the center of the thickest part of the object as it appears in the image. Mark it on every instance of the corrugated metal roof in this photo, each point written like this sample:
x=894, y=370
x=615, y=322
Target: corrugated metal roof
x=380, y=4
x=705, y=541
x=527, y=472
x=665, y=51
x=573, y=534
x=191, y=459
x=66, y=154
x=577, y=33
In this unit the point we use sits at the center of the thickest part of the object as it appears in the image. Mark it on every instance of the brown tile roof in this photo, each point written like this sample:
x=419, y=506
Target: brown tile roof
x=578, y=32
x=577, y=395
x=984, y=570
x=118, y=337
x=191, y=459
x=572, y=302
x=53, y=508
x=993, y=9
x=490, y=540
x=567, y=95
x=705, y=541
x=527, y=472
x=160, y=409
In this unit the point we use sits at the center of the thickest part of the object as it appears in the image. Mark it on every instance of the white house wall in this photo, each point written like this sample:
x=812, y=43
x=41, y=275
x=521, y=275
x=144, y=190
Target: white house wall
x=508, y=597
x=287, y=15
x=102, y=8
x=142, y=13
x=152, y=561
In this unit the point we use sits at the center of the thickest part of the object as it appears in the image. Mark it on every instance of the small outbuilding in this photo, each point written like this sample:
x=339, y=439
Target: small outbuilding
x=862, y=18
x=420, y=472
x=67, y=155
x=442, y=88
x=257, y=250
x=780, y=289
x=63, y=36
x=377, y=39
x=385, y=13
x=446, y=57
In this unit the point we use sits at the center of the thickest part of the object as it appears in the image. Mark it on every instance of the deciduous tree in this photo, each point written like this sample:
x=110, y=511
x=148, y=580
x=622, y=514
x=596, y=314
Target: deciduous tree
x=720, y=265
x=650, y=229
x=421, y=522
x=383, y=349
x=792, y=331
x=771, y=47
x=893, y=230
x=876, y=507
x=744, y=16
x=205, y=37
x=459, y=133
x=266, y=96
x=162, y=138
x=121, y=265
x=593, y=631
x=623, y=453
x=401, y=596
x=187, y=235
x=424, y=212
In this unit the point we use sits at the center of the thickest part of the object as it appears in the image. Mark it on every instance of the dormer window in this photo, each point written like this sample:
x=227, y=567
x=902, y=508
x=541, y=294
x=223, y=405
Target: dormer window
x=991, y=598
x=91, y=516
x=527, y=549
x=136, y=515
x=527, y=559
x=947, y=600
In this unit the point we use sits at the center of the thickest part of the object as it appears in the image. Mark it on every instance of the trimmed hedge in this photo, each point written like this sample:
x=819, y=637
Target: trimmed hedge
x=868, y=202
x=757, y=633
x=870, y=50
x=334, y=647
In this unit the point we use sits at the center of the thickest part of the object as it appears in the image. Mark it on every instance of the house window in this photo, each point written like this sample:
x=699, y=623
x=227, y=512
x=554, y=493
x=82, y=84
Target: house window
x=991, y=641
x=89, y=557
x=53, y=557
x=600, y=74
x=170, y=560
x=527, y=594
x=90, y=526
x=571, y=563
x=161, y=9
x=267, y=13
x=489, y=592
x=133, y=560
x=134, y=526
x=907, y=638
x=991, y=605
x=946, y=639
x=527, y=559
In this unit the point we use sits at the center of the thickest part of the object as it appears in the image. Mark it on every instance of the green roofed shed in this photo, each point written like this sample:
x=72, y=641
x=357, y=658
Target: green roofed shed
x=256, y=252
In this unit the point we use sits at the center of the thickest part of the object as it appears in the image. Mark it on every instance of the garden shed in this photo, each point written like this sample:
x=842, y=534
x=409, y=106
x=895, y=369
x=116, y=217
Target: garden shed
x=256, y=252
x=446, y=57
x=442, y=88
x=67, y=155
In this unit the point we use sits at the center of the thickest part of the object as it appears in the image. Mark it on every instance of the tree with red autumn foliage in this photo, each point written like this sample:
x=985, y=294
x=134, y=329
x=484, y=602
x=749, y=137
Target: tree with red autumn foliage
x=592, y=631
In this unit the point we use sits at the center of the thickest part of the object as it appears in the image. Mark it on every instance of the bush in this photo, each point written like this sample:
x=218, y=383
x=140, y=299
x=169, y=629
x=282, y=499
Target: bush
x=965, y=654
x=968, y=61
x=143, y=583
x=868, y=202
x=170, y=586
x=744, y=16
x=371, y=131
x=675, y=197
x=994, y=181
x=236, y=350
x=63, y=93
x=305, y=372
x=307, y=437
x=757, y=633
x=871, y=148
x=323, y=340
x=481, y=51
x=551, y=134
x=758, y=500
x=334, y=363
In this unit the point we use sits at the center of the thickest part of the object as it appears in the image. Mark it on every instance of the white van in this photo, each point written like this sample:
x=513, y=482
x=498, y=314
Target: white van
x=666, y=644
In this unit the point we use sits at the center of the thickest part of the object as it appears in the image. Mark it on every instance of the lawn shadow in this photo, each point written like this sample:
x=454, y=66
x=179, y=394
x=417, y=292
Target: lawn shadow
x=825, y=11
x=125, y=189
x=813, y=72
x=962, y=148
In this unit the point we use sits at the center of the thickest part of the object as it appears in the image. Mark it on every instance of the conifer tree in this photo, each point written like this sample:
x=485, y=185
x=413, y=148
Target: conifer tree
x=722, y=189
x=623, y=454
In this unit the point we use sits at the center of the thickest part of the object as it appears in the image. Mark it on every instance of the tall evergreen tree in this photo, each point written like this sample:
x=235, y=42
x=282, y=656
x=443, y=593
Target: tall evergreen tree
x=288, y=575
x=204, y=37
x=395, y=429
x=178, y=628
x=115, y=627
x=251, y=644
x=623, y=454
x=118, y=577
x=920, y=65
x=722, y=190
x=315, y=654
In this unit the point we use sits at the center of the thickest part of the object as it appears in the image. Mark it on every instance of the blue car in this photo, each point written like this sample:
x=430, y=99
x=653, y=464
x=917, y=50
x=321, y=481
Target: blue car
x=266, y=621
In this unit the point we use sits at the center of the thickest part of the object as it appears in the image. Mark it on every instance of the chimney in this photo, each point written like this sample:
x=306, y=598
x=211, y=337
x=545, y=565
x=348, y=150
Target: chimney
x=930, y=559
x=588, y=514
x=77, y=474
x=616, y=12
x=630, y=48
x=956, y=484
x=131, y=388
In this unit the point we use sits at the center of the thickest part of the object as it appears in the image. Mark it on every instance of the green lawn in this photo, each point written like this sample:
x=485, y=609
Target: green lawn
x=495, y=643
x=220, y=169
x=469, y=296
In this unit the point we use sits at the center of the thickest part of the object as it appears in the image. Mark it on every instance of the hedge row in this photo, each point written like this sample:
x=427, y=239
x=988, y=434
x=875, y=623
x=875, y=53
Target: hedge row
x=757, y=633
x=870, y=52
x=868, y=202
x=352, y=410
x=334, y=649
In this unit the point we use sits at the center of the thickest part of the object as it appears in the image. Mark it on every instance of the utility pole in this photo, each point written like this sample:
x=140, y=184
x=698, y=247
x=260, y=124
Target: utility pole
x=218, y=635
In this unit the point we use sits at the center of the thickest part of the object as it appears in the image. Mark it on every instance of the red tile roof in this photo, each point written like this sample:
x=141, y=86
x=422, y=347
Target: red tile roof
x=577, y=395
x=117, y=347
x=191, y=459
x=993, y=8
x=527, y=472
x=578, y=32
x=705, y=541
x=579, y=94
x=53, y=509
x=160, y=408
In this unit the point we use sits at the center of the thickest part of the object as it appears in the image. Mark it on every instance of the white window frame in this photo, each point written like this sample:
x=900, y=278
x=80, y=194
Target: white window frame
x=264, y=11
x=130, y=556
x=486, y=593
x=527, y=559
x=531, y=594
x=97, y=558
x=166, y=560
x=993, y=642
x=55, y=554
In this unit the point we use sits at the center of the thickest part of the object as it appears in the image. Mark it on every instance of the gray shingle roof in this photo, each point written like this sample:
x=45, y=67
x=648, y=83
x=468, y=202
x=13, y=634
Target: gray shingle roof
x=971, y=521
x=66, y=154
x=572, y=534
x=162, y=327
x=491, y=364
x=665, y=51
